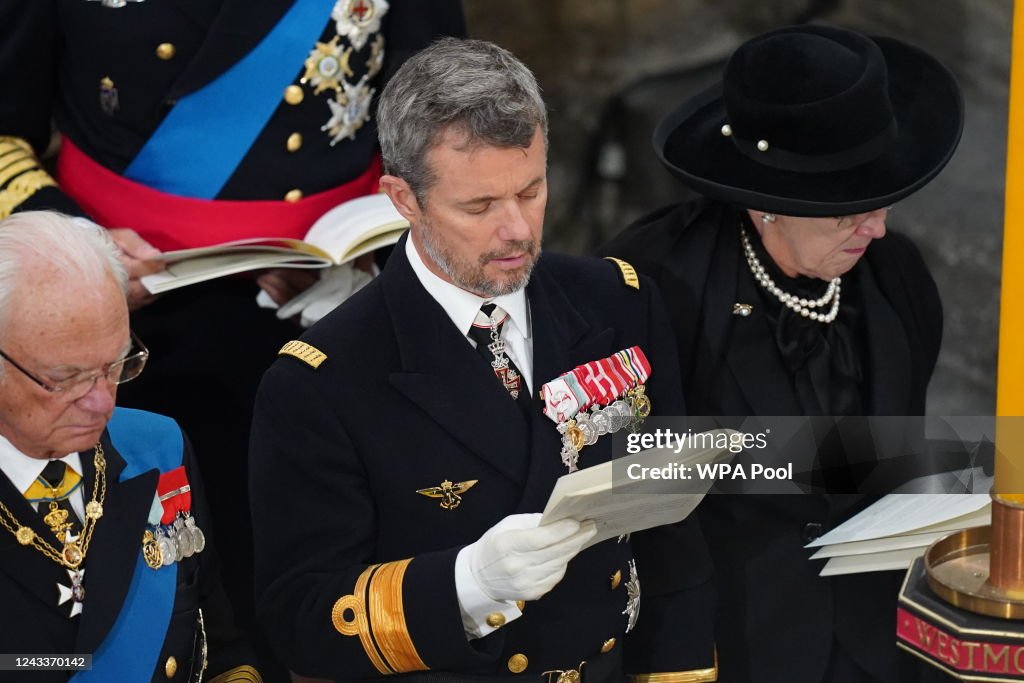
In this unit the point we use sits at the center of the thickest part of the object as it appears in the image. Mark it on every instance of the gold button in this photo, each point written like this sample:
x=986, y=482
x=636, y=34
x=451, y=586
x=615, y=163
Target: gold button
x=608, y=645
x=521, y=604
x=171, y=666
x=294, y=142
x=616, y=579
x=293, y=94
x=166, y=51
x=495, y=619
x=293, y=196
x=517, y=663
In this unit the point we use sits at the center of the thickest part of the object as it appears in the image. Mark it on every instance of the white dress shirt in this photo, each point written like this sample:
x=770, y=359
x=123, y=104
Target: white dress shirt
x=462, y=307
x=22, y=470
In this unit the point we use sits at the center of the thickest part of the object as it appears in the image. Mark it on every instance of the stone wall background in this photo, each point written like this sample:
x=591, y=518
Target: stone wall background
x=611, y=68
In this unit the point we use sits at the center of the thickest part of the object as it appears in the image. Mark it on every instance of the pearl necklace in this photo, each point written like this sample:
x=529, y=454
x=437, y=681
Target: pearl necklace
x=802, y=306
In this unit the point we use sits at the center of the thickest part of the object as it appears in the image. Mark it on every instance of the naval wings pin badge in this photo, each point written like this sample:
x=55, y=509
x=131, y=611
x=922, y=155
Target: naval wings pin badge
x=449, y=493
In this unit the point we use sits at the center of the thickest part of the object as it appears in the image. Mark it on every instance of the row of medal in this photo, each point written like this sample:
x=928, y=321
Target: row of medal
x=585, y=428
x=612, y=389
x=173, y=534
x=165, y=544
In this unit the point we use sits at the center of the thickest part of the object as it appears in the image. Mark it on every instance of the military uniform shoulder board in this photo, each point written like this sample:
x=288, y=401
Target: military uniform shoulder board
x=310, y=355
x=629, y=275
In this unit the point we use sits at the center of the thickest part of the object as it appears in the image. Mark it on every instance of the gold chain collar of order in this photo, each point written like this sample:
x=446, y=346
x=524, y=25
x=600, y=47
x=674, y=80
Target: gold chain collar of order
x=73, y=553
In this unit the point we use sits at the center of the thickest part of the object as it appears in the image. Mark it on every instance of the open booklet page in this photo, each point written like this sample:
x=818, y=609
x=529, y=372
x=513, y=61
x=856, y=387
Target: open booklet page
x=344, y=233
x=896, y=529
x=620, y=500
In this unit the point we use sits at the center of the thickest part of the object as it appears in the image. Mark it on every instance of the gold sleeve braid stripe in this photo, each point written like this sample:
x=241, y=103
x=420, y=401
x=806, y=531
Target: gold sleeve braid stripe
x=378, y=618
x=21, y=176
x=708, y=675
x=629, y=275
x=240, y=674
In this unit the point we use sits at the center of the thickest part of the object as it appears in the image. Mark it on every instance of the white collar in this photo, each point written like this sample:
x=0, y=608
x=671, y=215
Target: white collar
x=462, y=306
x=22, y=470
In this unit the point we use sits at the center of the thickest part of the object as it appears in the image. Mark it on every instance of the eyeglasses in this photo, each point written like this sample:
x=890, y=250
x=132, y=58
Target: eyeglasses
x=78, y=385
x=853, y=220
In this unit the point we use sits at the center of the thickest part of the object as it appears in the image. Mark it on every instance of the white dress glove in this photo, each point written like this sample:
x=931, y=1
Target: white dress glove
x=518, y=560
x=336, y=284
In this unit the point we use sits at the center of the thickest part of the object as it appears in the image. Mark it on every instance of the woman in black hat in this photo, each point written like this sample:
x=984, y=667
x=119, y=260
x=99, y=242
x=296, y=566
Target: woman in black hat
x=790, y=297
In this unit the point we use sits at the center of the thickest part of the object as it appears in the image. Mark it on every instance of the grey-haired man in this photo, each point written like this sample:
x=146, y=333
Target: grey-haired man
x=426, y=383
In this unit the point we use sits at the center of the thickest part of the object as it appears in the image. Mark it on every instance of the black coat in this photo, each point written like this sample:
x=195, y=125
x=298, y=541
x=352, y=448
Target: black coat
x=33, y=623
x=777, y=619
x=403, y=402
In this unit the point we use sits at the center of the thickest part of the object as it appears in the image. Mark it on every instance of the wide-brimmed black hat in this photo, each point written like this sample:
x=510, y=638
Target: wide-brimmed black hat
x=816, y=121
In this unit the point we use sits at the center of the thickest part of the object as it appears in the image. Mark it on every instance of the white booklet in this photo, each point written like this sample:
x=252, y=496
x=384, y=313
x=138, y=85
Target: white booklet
x=620, y=504
x=343, y=234
x=893, y=531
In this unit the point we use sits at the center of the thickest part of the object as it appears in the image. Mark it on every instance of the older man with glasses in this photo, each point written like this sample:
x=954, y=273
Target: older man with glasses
x=104, y=565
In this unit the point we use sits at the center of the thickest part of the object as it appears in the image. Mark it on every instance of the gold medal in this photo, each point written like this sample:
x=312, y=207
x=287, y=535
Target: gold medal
x=57, y=520
x=576, y=436
x=151, y=551
x=641, y=404
x=72, y=554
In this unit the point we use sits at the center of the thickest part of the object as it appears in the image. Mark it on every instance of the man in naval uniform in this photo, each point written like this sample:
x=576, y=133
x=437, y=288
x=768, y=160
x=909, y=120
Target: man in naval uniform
x=186, y=123
x=102, y=549
x=400, y=456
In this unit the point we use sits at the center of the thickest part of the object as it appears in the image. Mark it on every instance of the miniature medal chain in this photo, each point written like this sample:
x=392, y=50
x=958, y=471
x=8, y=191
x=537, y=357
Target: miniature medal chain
x=74, y=550
x=509, y=377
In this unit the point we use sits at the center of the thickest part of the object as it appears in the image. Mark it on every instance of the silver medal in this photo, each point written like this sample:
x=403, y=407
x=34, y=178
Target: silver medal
x=198, y=537
x=184, y=537
x=587, y=428
x=168, y=548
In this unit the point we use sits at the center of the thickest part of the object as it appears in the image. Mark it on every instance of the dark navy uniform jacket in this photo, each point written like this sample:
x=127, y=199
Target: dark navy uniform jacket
x=403, y=402
x=55, y=55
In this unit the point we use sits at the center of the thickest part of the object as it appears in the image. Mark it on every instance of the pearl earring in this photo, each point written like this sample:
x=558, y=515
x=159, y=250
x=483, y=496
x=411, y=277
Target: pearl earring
x=767, y=217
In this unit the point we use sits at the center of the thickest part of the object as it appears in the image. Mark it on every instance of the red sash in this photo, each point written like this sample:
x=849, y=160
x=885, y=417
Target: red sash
x=170, y=221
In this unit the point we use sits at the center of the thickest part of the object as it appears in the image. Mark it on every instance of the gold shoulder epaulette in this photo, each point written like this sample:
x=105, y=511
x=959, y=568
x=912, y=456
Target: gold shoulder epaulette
x=629, y=275
x=310, y=355
x=21, y=174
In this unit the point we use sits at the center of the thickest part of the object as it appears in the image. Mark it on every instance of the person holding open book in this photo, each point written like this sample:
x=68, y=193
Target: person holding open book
x=789, y=296
x=400, y=455
x=191, y=123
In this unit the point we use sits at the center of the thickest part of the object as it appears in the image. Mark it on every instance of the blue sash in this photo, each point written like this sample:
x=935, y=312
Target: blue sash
x=131, y=649
x=205, y=136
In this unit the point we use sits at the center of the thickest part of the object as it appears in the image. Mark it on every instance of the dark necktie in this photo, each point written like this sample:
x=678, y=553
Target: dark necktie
x=491, y=348
x=62, y=514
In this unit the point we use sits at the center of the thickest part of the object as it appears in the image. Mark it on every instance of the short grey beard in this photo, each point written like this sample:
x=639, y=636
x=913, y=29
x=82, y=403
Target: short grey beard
x=478, y=285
